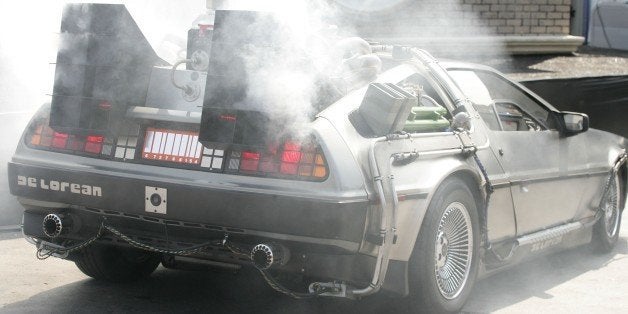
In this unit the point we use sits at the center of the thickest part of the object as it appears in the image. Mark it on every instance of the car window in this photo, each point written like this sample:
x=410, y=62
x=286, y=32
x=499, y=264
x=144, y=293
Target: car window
x=430, y=113
x=501, y=104
x=473, y=87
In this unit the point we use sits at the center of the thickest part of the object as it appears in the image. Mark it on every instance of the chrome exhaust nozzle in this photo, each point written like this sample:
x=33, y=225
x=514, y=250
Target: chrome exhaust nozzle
x=55, y=224
x=265, y=256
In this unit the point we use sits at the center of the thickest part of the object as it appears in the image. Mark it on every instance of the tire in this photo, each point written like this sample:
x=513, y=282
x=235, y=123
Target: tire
x=441, y=279
x=606, y=229
x=116, y=264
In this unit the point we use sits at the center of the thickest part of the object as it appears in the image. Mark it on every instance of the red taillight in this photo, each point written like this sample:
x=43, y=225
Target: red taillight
x=250, y=161
x=59, y=140
x=43, y=136
x=95, y=139
x=292, y=159
x=93, y=144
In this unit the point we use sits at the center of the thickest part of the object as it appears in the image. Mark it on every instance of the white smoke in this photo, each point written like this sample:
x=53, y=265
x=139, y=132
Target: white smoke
x=452, y=28
x=280, y=84
x=284, y=80
x=29, y=41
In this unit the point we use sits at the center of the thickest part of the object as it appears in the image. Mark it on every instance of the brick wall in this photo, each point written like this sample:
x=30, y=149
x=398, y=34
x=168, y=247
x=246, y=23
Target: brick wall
x=440, y=18
x=522, y=17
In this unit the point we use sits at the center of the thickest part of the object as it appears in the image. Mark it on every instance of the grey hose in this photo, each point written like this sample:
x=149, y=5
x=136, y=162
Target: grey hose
x=186, y=89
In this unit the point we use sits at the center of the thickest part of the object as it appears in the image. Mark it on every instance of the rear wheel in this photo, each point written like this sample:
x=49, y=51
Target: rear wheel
x=444, y=262
x=116, y=264
x=606, y=230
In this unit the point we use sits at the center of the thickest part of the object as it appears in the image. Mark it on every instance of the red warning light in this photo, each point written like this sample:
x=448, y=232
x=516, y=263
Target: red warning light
x=228, y=117
x=104, y=105
x=93, y=144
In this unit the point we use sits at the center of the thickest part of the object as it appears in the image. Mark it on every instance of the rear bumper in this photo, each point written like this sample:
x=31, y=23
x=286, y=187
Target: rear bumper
x=192, y=209
x=309, y=258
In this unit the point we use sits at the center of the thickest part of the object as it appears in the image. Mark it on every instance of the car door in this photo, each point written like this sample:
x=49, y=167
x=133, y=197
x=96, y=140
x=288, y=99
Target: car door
x=427, y=117
x=546, y=171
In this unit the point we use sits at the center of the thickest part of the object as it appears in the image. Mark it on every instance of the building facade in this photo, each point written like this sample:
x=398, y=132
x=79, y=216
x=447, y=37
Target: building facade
x=512, y=26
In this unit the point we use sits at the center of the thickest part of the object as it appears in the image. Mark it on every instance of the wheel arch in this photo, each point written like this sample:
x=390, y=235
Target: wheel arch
x=473, y=182
x=602, y=241
x=460, y=170
x=472, y=179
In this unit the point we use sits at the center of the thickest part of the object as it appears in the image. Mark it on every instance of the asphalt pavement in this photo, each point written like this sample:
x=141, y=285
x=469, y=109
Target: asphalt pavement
x=586, y=62
x=573, y=281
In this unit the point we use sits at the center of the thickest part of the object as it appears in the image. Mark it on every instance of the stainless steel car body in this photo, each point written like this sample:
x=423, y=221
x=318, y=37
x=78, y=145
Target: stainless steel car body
x=547, y=186
x=542, y=180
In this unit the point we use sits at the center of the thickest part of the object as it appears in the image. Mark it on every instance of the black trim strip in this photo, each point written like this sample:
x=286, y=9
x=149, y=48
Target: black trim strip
x=501, y=185
x=413, y=196
x=262, y=212
x=546, y=179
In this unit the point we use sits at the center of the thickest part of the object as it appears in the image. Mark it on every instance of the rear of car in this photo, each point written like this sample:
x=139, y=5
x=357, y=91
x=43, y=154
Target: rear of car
x=293, y=192
x=187, y=176
x=135, y=163
x=142, y=163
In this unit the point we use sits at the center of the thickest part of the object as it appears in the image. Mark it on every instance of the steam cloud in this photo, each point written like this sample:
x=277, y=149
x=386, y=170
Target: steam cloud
x=285, y=83
x=446, y=28
x=292, y=79
x=29, y=41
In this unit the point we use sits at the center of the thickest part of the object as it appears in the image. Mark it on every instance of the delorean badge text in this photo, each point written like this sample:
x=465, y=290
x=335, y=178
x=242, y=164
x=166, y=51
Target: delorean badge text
x=60, y=186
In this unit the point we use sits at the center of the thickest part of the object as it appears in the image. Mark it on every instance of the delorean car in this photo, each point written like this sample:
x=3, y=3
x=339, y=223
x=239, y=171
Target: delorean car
x=422, y=180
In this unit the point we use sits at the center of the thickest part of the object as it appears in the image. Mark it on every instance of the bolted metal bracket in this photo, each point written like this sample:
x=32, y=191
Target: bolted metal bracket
x=156, y=200
x=329, y=289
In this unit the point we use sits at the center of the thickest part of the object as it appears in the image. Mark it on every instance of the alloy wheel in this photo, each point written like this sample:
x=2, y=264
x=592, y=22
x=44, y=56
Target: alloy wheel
x=453, y=250
x=611, y=207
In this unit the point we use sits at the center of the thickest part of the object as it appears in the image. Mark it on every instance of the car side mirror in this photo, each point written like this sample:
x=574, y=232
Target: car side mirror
x=573, y=123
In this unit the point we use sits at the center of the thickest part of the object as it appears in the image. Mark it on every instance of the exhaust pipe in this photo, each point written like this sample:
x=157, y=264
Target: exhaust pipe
x=265, y=256
x=56, y=224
